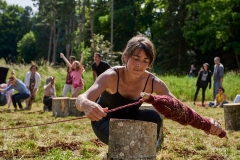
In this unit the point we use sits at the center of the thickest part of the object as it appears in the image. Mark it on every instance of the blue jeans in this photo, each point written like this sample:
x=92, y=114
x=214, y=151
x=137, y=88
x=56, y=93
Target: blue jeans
x=215, y=89
x=211, y=104
x=16, y=99
x=101, y=127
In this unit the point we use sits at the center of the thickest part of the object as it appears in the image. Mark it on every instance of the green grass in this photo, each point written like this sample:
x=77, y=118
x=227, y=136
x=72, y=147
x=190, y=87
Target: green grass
x=75, y=139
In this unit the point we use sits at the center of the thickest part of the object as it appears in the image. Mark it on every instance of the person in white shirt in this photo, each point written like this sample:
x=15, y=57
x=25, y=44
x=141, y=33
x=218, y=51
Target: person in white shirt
x=32, y=81
x=237, y=99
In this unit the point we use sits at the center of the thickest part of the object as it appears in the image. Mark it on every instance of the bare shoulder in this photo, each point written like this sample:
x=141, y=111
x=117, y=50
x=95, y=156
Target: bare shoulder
x=159, y=87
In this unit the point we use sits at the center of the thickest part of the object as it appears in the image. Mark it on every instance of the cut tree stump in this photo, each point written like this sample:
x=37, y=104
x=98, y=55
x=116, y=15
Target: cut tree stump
x=73, y=111
x=232, y=116
x=60, y=106
x=132, y=140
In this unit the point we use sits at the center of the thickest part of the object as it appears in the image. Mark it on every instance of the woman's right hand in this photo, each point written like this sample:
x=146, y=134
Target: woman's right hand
x=61, y=55
x=92, y=110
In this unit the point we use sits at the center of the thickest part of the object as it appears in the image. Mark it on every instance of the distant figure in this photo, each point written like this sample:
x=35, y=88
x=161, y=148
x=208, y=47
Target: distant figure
x=32, y=81
x=237, y=99
x=192, y=72
x=18, y=85
x=203, y=80
x=68, y=83
x=201, y=69
x=217, y=76
x=49, y=93
x=8, y=94
x=99, y=66
x=220, y=100
x=76, y=74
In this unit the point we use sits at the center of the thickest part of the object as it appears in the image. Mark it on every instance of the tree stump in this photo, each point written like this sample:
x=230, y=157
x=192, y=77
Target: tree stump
x=73, y=111
x=232, y=116
x=132, y=140
x=60, y=106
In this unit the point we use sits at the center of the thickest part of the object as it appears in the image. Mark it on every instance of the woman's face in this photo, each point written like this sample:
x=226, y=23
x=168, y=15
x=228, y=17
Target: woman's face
x=137, y=63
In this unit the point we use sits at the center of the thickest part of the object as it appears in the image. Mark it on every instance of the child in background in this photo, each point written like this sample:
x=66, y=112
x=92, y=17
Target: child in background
x=8, y=93
x=49, y=93
x=76, y=74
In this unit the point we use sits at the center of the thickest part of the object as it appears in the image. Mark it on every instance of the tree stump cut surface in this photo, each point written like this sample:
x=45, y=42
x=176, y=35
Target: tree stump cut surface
x=232, y=116
x=60, y=106
x=73, y=111
x=132, y=140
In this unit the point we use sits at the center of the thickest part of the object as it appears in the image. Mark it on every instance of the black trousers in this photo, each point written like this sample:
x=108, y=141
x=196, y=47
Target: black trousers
x=101, y=127
x=203, y=94
x=47, y=101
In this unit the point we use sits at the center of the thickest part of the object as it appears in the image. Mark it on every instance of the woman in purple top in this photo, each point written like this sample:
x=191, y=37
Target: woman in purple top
x=18, y=85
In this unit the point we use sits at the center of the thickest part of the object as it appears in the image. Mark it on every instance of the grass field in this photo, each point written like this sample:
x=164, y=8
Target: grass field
x=40, y=135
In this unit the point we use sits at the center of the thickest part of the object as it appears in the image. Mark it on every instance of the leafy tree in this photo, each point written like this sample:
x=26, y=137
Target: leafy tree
x=215, y=29
x=10, y=30
x=26, y=47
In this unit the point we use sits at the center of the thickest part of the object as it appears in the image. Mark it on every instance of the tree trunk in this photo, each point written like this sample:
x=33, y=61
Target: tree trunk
x=232, y=116
x=50, y=45
x=60, y=106
x=132, y=139
x=236, y=55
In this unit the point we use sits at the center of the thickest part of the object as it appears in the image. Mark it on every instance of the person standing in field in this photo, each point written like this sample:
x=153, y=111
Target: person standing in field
x=99, y=66
x=76, y=74
x=68, y=83
x=32, y=81
x=203, y=80
x=192, y=72
x=218, y=75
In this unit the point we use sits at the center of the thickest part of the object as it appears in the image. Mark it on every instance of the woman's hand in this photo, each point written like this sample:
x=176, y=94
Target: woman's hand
x=216, y=128
x=144, y=95
x=61, y=55
x=92, y=110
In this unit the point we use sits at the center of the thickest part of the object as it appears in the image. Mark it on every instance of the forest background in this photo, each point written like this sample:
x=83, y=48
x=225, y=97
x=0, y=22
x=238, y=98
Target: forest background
x=184, y=32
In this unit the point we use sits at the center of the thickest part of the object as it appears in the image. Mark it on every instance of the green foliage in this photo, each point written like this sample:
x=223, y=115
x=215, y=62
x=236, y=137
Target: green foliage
x=26, y=47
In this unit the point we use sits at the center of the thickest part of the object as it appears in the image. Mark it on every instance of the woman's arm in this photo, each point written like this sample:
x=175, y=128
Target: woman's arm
x=65, y=59
x=86, y=101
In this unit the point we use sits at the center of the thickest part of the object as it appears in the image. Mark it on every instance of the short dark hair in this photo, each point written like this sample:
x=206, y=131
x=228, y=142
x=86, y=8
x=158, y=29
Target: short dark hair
x=33, y=65
x=73, y=57
x=222, y=89
x=99, y=55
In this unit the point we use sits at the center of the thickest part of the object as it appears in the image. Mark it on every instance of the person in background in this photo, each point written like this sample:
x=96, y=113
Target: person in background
x=122, y=85
x=8, y=93
x=76, y=74
x=237, y=99
x=18, y=85
x=192, y=72
x=218, y=75
x=32, y=81
x=99, y=66
x=49, y=93
x=68, y=83
x=220, y=100
x=203, y=80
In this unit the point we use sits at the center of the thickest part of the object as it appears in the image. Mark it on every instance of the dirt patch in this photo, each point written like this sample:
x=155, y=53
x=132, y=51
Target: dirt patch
x=185, y=152
x=97, y=142
x=215, y=157
x=64, y=146
x=43, y=150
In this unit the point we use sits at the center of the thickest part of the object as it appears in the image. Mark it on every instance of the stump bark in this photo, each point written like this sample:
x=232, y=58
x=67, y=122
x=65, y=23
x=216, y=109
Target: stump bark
x=73, y=111
x=132, y=140
x=60, y=106
x=232, y=116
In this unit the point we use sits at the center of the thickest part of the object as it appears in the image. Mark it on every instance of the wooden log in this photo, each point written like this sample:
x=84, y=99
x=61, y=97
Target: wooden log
x=132, y=140
x=232, y=116
x=73, y=111
x=60, y=106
